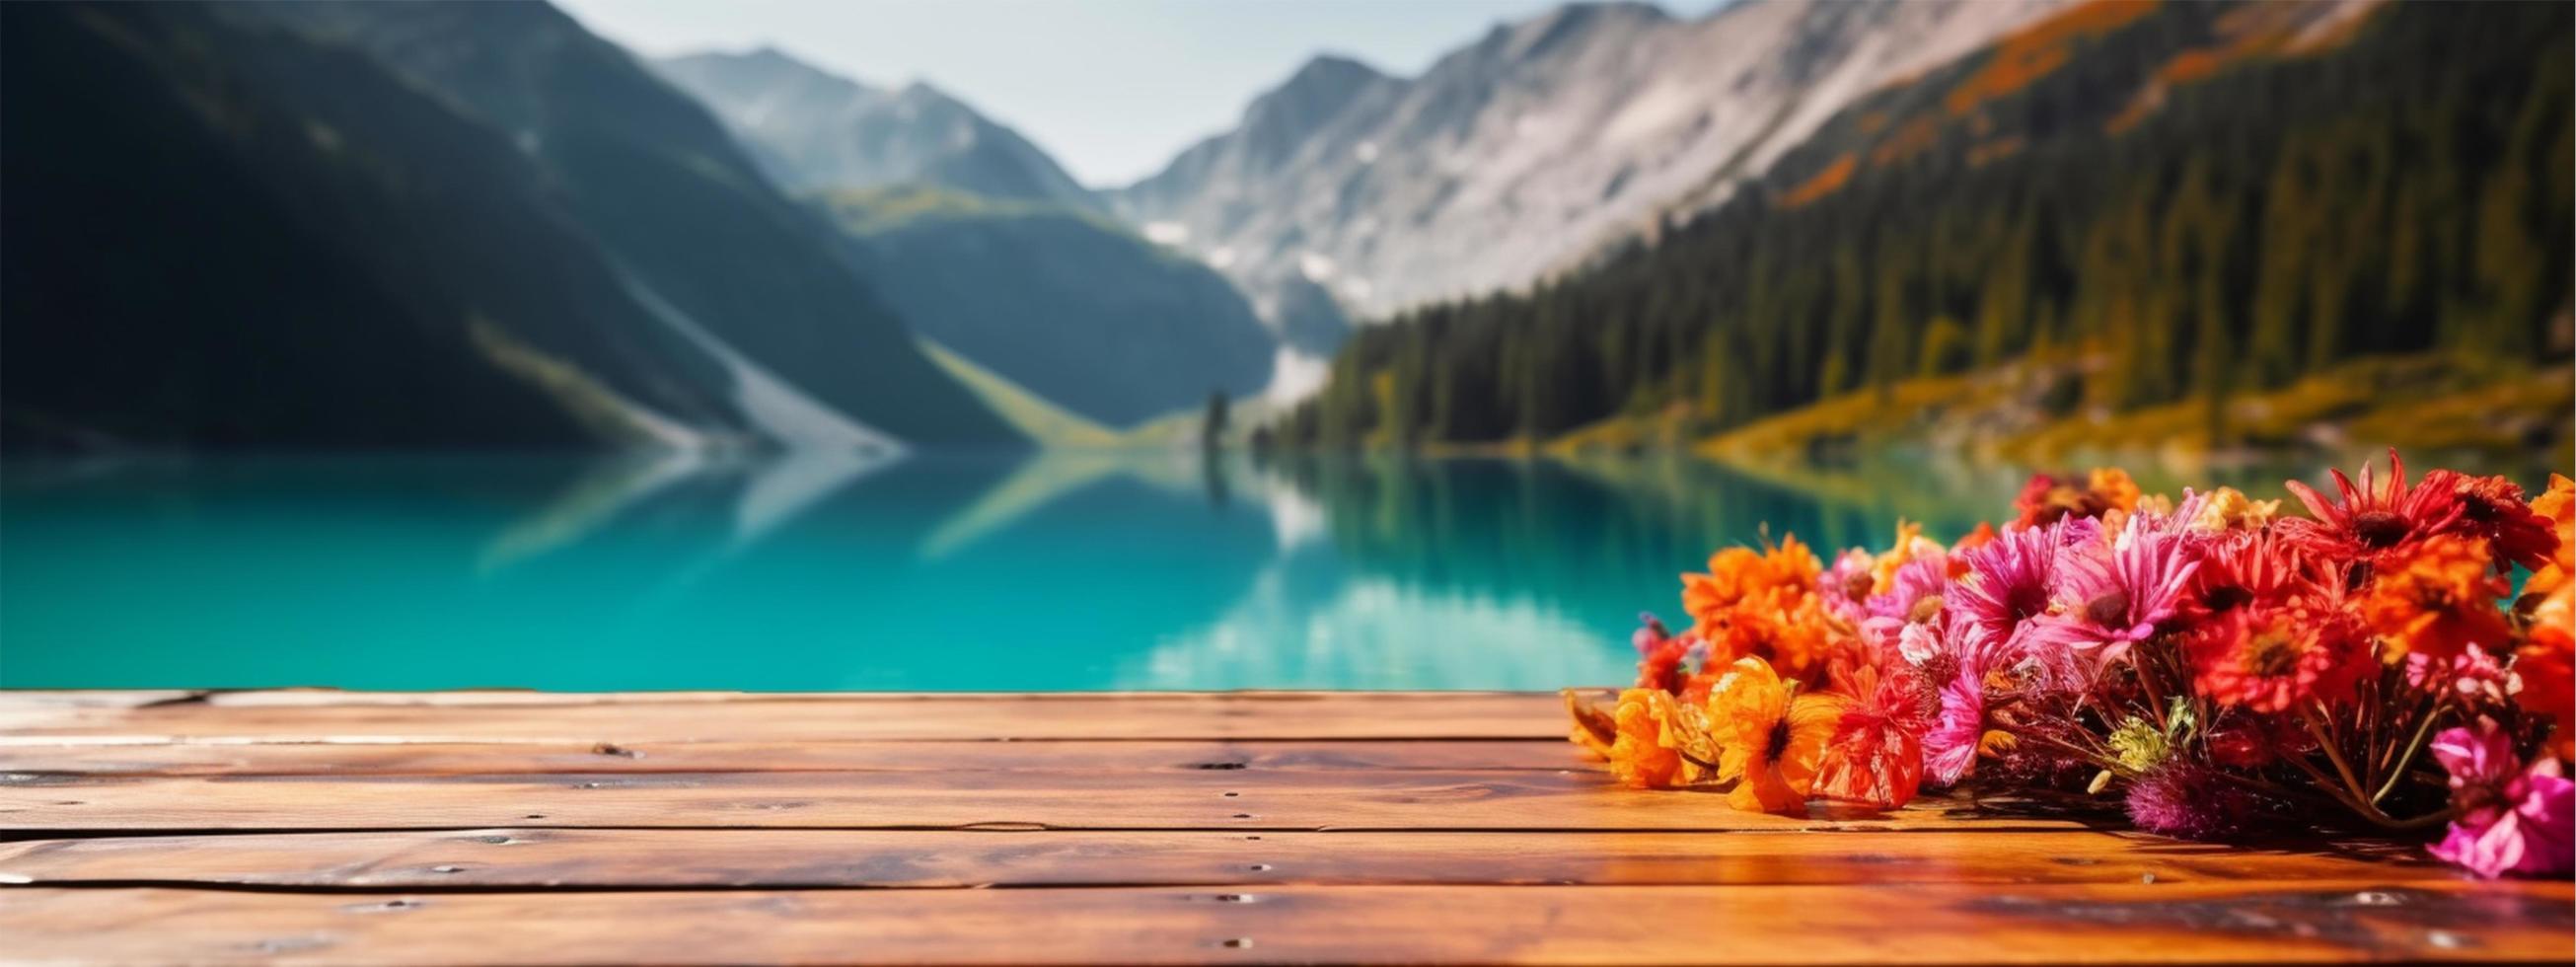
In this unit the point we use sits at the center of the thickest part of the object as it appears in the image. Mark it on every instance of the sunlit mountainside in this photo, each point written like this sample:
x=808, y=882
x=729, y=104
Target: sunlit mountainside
x=2185, y=226
x=1800, y=227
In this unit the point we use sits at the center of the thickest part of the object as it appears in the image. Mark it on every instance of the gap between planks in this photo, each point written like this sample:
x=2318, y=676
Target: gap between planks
x=1573, y=799
x=346, y=717
x=524, y=858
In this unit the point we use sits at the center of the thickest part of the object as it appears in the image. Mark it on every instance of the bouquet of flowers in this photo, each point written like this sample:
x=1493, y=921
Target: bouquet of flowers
x=2216, y=669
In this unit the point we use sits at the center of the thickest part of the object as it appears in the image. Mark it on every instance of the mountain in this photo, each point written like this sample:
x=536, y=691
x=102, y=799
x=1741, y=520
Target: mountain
x=705, y=240
x=813, y=131
x=224, y=235
x=1067, y=305
x=228, y=231
x=983, y=245
x=2180, y=228
x=1537, y=145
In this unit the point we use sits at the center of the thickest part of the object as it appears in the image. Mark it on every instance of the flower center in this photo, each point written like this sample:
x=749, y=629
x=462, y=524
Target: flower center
x=1926, y=608
x=2110, y=610
x=2378, y=528
x=2227, y=597
x=2028, y=601
x=2271, y=654
x=1779, y=740
x=1857, y=586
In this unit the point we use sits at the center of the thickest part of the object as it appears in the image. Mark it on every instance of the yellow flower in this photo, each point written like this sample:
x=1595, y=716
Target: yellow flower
x=2227, y=509
x=1770, y=739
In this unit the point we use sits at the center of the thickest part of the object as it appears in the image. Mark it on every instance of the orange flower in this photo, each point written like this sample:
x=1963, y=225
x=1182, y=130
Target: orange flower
x=1740, y=572
x=1763, y=605
x=1641, y=755
x=2437, y=598
x=1769, y=738
x=2558, y=504
x=2547, y=659
x=2114, y=487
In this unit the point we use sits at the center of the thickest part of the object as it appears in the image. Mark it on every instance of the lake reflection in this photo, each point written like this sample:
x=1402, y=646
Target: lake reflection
x=1053, y=571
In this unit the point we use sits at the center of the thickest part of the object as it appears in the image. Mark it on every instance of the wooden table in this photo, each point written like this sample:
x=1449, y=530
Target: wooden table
x=356, y=828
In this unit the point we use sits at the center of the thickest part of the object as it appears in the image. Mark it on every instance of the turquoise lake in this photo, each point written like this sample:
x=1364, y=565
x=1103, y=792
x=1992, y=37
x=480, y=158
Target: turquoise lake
x=1051, y=571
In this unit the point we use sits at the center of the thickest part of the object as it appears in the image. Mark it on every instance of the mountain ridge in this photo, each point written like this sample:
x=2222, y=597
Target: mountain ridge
x=817, y=130
x=1536, y=143
x=239, y=228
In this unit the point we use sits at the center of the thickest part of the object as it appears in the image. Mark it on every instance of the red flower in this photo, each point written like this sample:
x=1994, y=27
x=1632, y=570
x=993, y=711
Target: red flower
x=2047, y=499
x=2269, y=659
x=2241, y=569
x=2492, y=507
x=1876, y=753
x=2371, y=521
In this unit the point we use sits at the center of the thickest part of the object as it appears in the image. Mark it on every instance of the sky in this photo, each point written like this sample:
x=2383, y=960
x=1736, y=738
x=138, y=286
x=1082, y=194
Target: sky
x=1112, y=88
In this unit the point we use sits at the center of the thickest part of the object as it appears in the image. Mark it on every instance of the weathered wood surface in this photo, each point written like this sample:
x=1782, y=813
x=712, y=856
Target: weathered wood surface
x=963, y=797
x=1480, y=924
x=528, y=717
x=498, y=758
x=704, y=858
x=326, y=827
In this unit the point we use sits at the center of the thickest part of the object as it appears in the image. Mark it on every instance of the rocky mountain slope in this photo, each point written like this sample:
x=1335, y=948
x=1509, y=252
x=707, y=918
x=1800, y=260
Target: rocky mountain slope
x=1540, y=143
x=985, y=248
x=814, y=131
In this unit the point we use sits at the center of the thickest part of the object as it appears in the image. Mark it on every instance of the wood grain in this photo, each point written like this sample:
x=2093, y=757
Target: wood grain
x=1164, y=716
x=2196, y=922
x=522, y=858
x=315, y=826
x=498, y=758
x=966, y=796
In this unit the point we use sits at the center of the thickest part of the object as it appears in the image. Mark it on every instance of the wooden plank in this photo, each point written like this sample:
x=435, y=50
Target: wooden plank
x=2096, y=923
x=601, y=858
x=1570, y=799
x=1146, y=756
x=21, y=700
x=483, y=697
x=28, y=709
x=1170, y=716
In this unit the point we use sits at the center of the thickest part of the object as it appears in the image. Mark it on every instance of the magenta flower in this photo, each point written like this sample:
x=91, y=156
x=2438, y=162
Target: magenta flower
x=1950, y=746
x=2510, y=819
x=2187, y=800
x=2126, y=597
x=2009, y=579
x=1926, y=576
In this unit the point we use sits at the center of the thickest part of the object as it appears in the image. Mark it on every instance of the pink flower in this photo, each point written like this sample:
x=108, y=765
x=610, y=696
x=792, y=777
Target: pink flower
x=1847, y=584
x=1950, y=746
x=1926, y=576
x=2476, y=675
x=2009, y=579
x=2133, y=593
x=2510, y=819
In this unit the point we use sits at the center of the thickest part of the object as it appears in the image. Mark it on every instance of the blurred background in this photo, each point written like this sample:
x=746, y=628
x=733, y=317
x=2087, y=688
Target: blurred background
x=984, y=344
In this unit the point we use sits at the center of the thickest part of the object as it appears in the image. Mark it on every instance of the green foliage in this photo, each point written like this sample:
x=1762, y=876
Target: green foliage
x=2405, y=192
